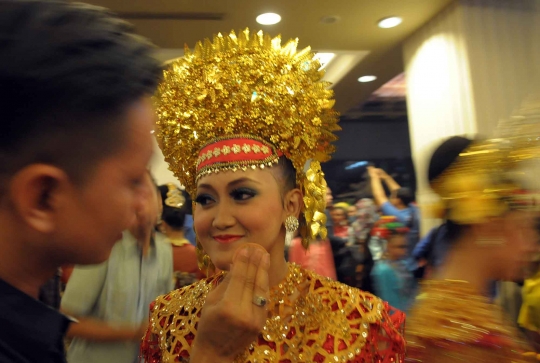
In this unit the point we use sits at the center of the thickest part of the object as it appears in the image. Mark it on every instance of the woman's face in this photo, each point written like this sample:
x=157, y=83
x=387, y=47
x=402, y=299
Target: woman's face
x=521, y=243
x=234, y=208
x=338, y=216
x=351, y=211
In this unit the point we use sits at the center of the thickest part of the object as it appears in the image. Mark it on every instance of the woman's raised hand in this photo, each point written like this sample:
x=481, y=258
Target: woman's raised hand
x=234, y=312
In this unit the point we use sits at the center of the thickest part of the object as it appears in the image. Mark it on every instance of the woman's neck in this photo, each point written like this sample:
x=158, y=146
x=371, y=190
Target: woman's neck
x=468, y=262
x=278, y=267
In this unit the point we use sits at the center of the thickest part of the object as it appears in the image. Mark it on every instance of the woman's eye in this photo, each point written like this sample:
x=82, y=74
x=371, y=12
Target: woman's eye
x=243, y=194
x=204, y=199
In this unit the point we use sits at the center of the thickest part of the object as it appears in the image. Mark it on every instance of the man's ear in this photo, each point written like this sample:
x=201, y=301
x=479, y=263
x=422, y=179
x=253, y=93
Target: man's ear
x=36, y=194
x=294, y=202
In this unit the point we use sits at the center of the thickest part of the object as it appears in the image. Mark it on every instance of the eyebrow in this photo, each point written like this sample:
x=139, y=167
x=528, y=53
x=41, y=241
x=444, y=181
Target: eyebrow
x=232, y=183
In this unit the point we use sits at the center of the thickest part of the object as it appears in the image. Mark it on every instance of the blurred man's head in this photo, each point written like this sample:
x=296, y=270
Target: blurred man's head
x=401, y=198
x=329, y=199
x=339, y=215
x=75, y=128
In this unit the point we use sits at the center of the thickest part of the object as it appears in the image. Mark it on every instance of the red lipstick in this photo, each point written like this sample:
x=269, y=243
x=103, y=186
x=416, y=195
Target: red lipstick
x=227, y=238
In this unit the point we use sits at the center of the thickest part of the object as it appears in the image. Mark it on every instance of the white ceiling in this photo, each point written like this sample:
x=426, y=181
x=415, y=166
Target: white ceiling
x=362, y=47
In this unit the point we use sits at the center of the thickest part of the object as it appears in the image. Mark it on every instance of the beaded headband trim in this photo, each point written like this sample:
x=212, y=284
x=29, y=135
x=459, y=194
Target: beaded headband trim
x=236, y=152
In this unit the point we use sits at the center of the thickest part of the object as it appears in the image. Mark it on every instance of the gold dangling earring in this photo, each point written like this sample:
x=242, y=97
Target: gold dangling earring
x=291, y=225
x=204, y=261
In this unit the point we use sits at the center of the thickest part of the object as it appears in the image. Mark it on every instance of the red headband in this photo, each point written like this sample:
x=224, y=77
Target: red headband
x=236, y=152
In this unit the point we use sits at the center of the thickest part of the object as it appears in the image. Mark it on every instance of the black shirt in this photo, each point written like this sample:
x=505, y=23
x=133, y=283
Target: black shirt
x=30, y=331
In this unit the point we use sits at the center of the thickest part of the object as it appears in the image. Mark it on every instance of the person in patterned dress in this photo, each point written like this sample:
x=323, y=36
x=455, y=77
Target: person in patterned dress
x=244, y=123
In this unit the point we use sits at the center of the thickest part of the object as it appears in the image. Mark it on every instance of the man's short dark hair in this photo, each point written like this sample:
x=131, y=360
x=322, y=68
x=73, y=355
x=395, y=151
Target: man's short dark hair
x=68, y=72
x=405, y=195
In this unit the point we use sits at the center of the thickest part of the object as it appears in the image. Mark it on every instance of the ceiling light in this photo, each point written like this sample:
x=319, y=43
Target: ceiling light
x=324, y=58
x=330, y=19
x=365, y=79
x=390, y=22
x=268, y=19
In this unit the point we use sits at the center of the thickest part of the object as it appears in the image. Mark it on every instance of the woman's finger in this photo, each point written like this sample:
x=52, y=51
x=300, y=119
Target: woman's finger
x=248, y=293
x=237, y=273
x=262, y=286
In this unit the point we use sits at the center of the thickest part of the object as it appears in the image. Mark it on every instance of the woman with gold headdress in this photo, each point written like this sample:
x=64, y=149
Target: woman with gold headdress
x=490, y=235
x=244, y=123
x=175, y=206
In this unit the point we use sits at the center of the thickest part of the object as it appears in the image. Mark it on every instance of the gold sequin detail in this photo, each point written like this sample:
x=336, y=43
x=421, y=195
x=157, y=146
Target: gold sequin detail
x=450, y=321
x=302, y=308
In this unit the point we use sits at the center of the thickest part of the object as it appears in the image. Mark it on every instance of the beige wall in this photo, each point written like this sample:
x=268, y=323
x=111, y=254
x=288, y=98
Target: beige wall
x=466, y=69
x=159, y=168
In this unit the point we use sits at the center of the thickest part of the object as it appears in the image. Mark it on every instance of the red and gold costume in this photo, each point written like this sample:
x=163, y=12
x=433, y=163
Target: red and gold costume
x=452, y=323
x=311, y=319
x=244, y=102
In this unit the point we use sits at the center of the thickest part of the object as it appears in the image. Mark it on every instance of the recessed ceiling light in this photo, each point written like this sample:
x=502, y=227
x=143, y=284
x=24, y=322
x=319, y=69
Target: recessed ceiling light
x=390, y=22
x=365, y=79
x=331, y=19
x=268, y=19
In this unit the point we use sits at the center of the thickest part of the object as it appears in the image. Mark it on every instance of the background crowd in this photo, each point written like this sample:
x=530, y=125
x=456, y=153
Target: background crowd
x=372, y=244
x=131, y=266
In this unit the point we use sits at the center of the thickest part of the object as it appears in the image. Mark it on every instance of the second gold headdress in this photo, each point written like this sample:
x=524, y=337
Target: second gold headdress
x=244, y=101
x=492, y=176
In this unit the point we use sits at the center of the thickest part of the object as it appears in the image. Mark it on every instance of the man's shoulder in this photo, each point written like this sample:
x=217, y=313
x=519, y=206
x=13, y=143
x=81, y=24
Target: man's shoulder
x=19, y=329
x=162, y=244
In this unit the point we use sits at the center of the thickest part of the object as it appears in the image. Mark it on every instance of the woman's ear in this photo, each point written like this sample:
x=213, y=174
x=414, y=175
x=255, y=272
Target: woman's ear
x=294, y=202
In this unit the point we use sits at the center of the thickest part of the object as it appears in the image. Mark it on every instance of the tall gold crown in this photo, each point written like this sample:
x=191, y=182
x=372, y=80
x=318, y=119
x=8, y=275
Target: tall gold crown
x=249, y=85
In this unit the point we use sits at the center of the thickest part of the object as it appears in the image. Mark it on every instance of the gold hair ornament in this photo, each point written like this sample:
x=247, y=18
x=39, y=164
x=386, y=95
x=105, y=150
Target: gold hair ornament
x=174, y=199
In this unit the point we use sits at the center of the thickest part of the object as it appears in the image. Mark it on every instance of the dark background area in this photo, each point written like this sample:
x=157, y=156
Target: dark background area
x=379, y=140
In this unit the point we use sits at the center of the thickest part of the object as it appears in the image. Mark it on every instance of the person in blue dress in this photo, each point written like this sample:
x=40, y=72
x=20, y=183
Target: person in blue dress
x=392, y=279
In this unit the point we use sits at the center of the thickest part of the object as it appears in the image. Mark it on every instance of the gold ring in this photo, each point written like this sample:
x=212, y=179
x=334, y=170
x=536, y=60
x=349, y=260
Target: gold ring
x=259, y=301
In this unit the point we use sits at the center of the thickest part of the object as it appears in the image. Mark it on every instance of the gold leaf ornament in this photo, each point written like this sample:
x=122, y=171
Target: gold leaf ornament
x=314, y=190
